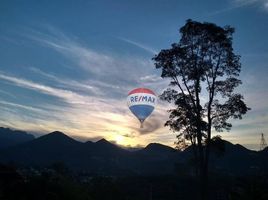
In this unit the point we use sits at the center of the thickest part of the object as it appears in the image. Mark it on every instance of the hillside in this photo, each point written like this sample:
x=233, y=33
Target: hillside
x=104, y=157
x=10, y=137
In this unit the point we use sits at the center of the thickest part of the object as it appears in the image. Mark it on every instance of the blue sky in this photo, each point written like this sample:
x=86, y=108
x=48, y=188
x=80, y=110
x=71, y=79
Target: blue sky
x=68, y=65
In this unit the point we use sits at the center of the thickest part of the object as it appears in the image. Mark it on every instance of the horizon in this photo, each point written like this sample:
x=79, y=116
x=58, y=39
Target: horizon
x=69, y=67
x=114, y=142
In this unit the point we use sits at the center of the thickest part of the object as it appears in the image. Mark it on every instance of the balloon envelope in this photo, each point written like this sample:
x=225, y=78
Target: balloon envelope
x=141, y=102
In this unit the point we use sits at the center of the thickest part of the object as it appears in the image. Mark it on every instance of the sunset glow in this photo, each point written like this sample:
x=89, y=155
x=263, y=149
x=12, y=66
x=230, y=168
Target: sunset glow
x=72, y=72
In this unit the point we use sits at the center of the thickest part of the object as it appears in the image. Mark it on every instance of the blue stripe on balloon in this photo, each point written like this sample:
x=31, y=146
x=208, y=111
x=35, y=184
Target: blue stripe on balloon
x=141, y=111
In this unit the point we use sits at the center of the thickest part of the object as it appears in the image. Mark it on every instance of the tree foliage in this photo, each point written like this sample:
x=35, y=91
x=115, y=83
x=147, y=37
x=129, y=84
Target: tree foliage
x=203, y=71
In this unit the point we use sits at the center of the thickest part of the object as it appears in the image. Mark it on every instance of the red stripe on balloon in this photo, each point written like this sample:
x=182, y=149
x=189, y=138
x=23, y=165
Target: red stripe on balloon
x=141, y=90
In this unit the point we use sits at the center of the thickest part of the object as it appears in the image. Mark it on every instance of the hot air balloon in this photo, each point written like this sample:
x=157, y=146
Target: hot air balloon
x=141, y=102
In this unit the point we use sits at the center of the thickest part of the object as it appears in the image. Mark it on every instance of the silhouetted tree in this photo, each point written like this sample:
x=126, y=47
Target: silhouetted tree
x=203, y=70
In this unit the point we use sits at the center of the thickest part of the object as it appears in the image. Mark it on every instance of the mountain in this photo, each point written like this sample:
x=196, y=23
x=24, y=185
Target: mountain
x=226, y=157
x=155, y=158
x=47, y=149
x=105, y=158
x=10, y=137
x=100, y=157
x=229, y=158
x=156, y=148
x=155, y=152
x=265, y=150
x=104, y=147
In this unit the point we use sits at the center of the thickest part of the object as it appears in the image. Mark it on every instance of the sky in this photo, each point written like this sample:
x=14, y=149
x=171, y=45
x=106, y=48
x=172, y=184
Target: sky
x=69, y=65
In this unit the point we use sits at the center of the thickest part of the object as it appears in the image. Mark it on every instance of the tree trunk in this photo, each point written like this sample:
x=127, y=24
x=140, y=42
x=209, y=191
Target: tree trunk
x=202, y=186
x=207, y=151
x=205, y=169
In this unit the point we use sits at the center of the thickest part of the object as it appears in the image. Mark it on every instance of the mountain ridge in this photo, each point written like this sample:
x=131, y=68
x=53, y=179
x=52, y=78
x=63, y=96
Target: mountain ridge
x=103, y=140
x=104, y=157
x=9, y=137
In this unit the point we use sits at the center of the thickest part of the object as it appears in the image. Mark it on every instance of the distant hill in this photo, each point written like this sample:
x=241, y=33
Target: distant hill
x=50, y=148
x=10, y=137
x=235, y=158
x=56, y=147
x=105, y=158
x=156, y=158
x=157, y=148
x=265, y=150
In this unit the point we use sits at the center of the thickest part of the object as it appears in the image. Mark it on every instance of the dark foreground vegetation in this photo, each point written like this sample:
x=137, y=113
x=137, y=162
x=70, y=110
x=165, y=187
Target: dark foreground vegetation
x=56, y=166
x=57, y=182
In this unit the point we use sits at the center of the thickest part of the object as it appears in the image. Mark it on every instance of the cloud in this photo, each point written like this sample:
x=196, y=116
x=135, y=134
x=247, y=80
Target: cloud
x=263, y=4
x=236, y=4
x=75, y=100
x=66, y=95
x=113, y=70
x=150, y=126
x=137, y=44
x=83, y=116
x=151, y=78
x=28, y=108
x=84, y=57
x=130, y=135
x=69, y=83
x=111, y=76
x=266, y=5
x=5, y=93
x=92, y=107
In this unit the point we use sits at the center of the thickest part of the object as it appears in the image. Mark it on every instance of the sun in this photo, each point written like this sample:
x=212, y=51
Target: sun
x=119, y=139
